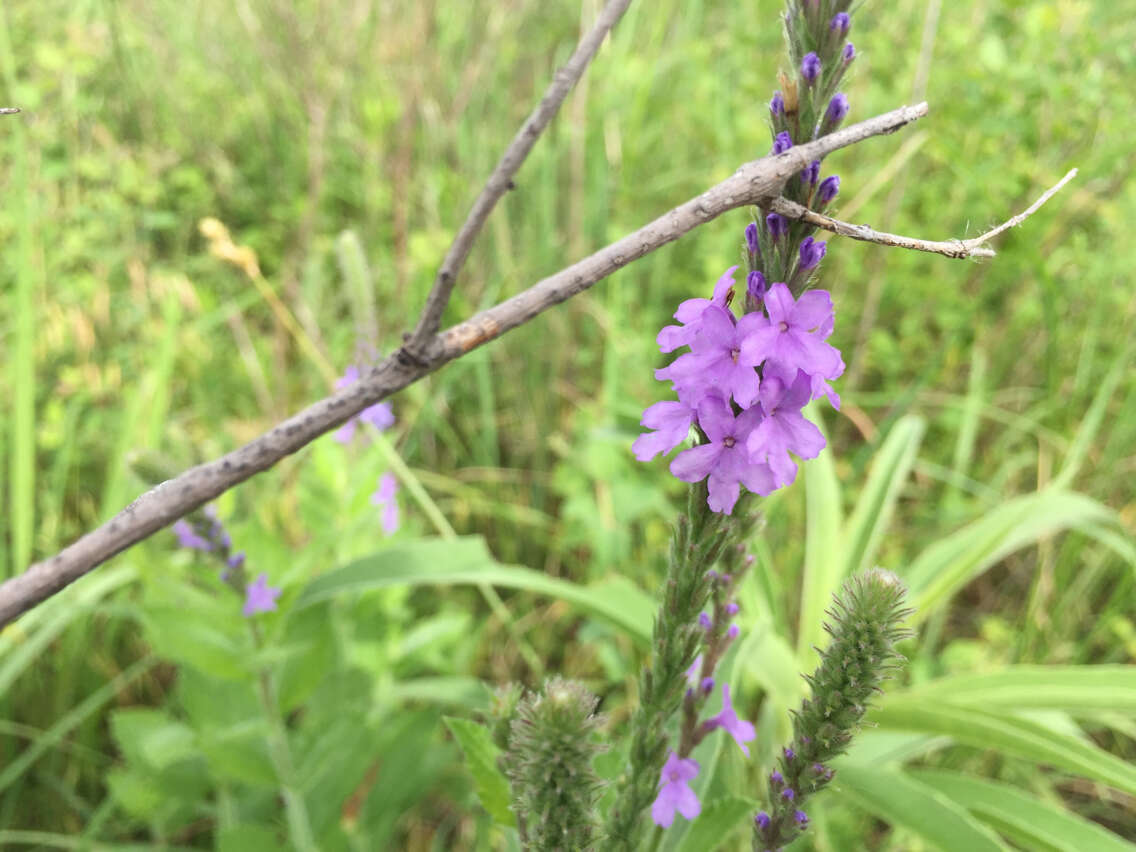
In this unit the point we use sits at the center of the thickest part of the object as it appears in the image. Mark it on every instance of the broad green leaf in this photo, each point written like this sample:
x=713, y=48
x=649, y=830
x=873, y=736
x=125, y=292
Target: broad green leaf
x=481, y=756
x=466, y=560
x=718, y=820
x=952, y=562
x=1006, y=733
x=876, y=503
x=900, y=800
x=1073, y=689
x=823, y=565
x=1030, y=822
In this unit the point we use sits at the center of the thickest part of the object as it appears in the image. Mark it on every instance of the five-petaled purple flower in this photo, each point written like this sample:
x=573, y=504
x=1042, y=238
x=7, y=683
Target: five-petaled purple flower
x=675, y=793
x=741, y=730
x=259, y=596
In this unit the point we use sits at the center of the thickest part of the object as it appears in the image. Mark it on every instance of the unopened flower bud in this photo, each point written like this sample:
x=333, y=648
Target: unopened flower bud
x=828, y=189
x=811, y=253
x=751, y=238
x=782, y=142
x=810, y=67
x=778, y=226
x=840, y=24
x=848, y=54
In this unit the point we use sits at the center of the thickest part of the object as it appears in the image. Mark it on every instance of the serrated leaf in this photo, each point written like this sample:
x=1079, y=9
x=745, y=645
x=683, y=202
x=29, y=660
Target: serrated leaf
x=481, y=757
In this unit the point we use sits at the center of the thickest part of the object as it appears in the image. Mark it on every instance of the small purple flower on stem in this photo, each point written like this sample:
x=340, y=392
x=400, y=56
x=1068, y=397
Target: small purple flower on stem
x=789, y=753
x=187, y=537
x=784, y=429
x=715, y=362
x=801, y=817
x=848, y=54
x=776, y=778
x=762, y=820
x=741, y=730
x=704, y=621
x=788, y=337
x=260, y=597
x=235, y=561
x=734, y=632
x=707, y=685
x=384, y=497
x=811, y=253
x=810, y=67
x=840, y=24
x=782, y=142
x=828, y=190
x=788, y=794
x=778, y=226
x=777, y=105
x=755, y=285
x=751, y=238
x=675, y=793
x=690, y=314
x=732, y=608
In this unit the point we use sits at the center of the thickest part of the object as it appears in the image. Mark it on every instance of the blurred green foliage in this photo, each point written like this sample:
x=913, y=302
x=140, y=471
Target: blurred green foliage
x=343, y=142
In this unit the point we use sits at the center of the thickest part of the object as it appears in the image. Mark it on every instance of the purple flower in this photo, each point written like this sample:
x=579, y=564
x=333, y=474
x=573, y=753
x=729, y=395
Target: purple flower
x=751, y=238
x=671, y=422
x=707, y=685
x=801, y=817
x=378, y=415
x=187, y=536
x=828, y=189
x=675, y=793
x=840, y=24
x=784, y=429
x=786, y=338
x=741, y=730
x=690, y=312
x=777, y=224
x=789, y=753
x=384, y=496
x=836, y=112
x=755, y=285
x=724, y=461
x=259, y=596
x=715, y=360
x=734, y=632
x=811, y=253
x=777, y=105
x=788, y=795
x=731, y=608
x=704, y=621
x=776, y=778
x=811, y=173
x=235, y=561
x=782, y=142
x=810, y=67
x=848, y=54
x=762, y=820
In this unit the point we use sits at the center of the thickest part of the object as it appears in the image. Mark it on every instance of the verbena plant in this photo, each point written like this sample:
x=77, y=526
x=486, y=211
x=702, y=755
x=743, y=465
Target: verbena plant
x=290, y=721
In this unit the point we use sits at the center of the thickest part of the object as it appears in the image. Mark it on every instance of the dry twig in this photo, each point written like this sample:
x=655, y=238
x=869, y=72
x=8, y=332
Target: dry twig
x=164, y=504
x=950, y=248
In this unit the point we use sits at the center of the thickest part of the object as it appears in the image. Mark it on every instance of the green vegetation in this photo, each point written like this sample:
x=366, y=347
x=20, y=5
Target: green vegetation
x=985, y=451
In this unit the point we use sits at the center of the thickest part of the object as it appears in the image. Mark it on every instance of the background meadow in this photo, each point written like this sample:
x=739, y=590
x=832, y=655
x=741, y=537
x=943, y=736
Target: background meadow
x=985, y=451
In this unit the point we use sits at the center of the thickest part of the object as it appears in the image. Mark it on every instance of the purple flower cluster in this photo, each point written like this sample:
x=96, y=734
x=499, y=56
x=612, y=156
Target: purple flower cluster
x=743, y=384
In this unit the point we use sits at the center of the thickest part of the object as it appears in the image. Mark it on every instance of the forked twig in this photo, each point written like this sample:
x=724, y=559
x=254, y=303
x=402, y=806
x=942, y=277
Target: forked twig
x=973, y=247
x=501, y=181
x=161, y=506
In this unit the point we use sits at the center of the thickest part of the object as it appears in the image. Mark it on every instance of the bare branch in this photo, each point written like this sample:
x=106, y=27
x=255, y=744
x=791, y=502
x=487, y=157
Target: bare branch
x=950, y=248
x=175, y=498
x=9, y=110
x=501, y=181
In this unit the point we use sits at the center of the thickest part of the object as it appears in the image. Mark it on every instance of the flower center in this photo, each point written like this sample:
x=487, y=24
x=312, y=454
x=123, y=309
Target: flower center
x=728, y=441
x=784, y=326
x=734, y=354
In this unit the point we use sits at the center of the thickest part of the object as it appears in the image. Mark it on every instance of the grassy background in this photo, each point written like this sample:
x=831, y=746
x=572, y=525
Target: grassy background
x=343, y=143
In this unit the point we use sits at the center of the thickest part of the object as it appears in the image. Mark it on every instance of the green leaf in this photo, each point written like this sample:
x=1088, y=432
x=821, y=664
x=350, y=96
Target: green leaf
x=481, y=756
x=900, y=800
x=823, y=563
x=248, y=838
x=952, y=562
x=876, y=504
x=1030, y=822
x=1090, y=425
x=1006, y=733
x=720, y=819
x=1073, y=689
x=192, y=637
x=151, y=738
x=466, y=560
